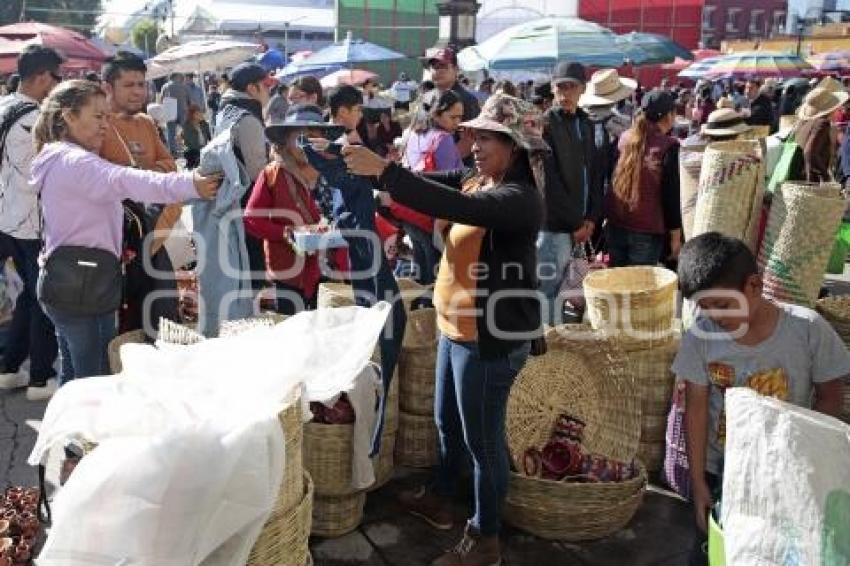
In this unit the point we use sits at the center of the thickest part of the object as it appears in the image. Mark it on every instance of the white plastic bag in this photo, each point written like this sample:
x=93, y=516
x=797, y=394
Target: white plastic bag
x=786, y=484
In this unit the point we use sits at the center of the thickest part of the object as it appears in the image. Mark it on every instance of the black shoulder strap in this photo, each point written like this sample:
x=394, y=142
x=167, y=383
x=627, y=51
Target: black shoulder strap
x=13, y=114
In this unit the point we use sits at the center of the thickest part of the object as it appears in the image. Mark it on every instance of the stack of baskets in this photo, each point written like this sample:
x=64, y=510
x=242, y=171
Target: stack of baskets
x=583, y=375
x=416, y=445
x=285, y=536
x=637, y=307
x=836, y=310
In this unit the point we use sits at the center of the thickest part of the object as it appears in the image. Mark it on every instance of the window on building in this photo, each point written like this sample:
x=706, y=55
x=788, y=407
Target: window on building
x=757, y=21
x=778, y=20
x=708, y=17
x=732, y=15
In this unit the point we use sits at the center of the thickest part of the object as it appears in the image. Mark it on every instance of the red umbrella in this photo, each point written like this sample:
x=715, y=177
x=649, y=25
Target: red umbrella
x=74, y=47
x=347, y=77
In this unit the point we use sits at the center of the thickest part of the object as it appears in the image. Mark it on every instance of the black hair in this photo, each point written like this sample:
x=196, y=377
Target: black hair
x=713, y=260
x=13, y=82
x=36, y=59
x=120, y=62
x=427, y=86
x=310, y=85
x=446, y=101
x=346, y=96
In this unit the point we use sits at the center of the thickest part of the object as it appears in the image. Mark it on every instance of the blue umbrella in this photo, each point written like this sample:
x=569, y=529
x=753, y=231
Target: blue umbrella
x=699, y=69
x=540, y=44
x=348, y=52
x=271, y=59
x=651, y=48
x=293, y=71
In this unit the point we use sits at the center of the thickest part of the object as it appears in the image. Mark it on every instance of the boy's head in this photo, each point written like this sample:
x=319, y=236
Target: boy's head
x=721, y=274
x=346, y=104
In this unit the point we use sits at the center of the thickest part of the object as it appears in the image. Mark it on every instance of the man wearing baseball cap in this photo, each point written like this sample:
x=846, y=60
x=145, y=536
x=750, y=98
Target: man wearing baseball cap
x=242, y=109
x=573, y=184
x=442, y=62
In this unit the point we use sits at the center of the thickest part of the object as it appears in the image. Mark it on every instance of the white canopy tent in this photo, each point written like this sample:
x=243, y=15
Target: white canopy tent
x=200, y=57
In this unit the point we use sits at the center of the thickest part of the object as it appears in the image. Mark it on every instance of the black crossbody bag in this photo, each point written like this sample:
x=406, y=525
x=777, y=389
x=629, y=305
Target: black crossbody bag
x=81, y=281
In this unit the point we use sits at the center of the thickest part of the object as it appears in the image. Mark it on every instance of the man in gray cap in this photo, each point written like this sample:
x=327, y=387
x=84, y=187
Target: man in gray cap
x=573, y=190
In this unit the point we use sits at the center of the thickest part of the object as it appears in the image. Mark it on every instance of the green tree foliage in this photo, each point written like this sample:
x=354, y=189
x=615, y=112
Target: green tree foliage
x=79, y=15
x=144, y=35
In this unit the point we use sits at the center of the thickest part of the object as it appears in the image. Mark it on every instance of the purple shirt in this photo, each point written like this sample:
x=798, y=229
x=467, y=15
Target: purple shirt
x=441, y=142
x=81, y=196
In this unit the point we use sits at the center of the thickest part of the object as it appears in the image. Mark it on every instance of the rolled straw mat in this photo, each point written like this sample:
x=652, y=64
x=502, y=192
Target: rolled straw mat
x=690, y=165
x=801, y=228
x=731, y=187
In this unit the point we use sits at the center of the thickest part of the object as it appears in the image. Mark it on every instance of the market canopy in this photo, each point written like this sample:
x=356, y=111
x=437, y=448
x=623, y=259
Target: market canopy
x=831, y=62
x=348, y=52
x=200, y=56
x=698, y=70
x=353, y=77
x=651, y=48
x=540, y=44
x=680, y=64
x=79, y=52
x=758, y=64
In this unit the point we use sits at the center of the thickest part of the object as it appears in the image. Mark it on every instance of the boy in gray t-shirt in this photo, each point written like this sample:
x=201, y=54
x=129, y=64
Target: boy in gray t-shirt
x=741, y=339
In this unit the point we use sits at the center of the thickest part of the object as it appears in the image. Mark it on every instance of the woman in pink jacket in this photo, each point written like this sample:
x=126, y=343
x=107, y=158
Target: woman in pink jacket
x=81, y=198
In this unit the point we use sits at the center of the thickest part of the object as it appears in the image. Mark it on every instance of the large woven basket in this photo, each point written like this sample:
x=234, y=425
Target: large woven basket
x=113, y=351
x=651, y=455
x=327, y=456
x=690, y=165
x=801, y=228
x=572, y=511
x=391, y=414
x=335, y=516
x=635, y=303
x=173, y=333
x=731, y=188
x=384, y=462
x=293, y=434
x=417, y=363
x=285, y=536
x=836, y=310
x=416, y=443
x=332, y=294
x=236, y=327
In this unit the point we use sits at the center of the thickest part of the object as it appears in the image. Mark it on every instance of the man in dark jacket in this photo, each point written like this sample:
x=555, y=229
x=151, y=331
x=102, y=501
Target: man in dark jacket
x=573, y=184
x=761, y=110
x=442, y=62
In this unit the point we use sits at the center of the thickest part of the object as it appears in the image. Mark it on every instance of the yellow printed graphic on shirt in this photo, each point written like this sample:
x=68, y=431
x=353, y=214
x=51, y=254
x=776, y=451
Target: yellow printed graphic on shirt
x=770, y=383
x=721, y=375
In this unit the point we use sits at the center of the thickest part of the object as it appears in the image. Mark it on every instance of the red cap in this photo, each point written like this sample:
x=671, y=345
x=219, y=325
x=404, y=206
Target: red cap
x=440, y=55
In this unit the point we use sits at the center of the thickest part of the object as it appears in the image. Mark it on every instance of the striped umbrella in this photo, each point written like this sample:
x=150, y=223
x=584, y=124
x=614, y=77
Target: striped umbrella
x=680, y=64
x=831, y=62
x=698, y=70
x=651, y=48
x=761, y=64
x=540, y=44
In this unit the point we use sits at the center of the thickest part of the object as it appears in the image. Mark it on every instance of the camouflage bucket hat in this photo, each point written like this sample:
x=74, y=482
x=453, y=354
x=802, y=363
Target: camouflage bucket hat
x=514, y=117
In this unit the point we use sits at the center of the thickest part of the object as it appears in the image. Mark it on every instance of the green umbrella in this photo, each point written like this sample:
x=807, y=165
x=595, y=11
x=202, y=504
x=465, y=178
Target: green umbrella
x=651, y=48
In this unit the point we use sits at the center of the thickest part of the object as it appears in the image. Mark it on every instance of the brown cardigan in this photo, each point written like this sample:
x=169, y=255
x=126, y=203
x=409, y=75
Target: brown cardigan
x=817, y=141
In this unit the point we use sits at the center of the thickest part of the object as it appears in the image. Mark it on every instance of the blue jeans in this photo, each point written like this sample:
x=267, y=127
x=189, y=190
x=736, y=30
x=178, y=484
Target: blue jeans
x=171, y=133
x=470, y=402
x=83, y=342
x=553, y=256
x=425, y=255
x=633, y=248
x=30, y=333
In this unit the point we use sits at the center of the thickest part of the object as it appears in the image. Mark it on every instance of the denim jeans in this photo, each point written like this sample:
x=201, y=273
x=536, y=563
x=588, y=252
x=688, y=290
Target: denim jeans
x=553, y=256
x=30, y=334
x=633, y=248
x=171, y=136
x=425, y=255
x=83, y=342
x=470, y=402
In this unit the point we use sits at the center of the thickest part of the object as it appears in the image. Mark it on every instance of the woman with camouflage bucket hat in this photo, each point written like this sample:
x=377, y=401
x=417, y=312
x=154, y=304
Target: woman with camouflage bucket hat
x=487, y=307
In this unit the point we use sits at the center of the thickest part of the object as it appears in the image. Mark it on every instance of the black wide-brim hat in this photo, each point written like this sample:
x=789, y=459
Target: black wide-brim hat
x=302, y=116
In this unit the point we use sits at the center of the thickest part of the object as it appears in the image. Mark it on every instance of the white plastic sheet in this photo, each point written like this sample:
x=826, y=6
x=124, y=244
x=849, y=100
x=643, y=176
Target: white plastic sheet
x=786, y=484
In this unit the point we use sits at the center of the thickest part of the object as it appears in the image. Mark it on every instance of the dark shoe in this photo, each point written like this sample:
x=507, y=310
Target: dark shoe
x=472, y=550
x=433, y=509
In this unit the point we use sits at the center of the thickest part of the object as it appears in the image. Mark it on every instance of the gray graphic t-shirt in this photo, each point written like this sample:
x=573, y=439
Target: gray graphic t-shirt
x=803, y=350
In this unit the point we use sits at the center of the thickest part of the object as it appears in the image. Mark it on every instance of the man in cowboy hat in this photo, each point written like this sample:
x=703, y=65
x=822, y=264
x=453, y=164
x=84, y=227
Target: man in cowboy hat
x=761, y=109
x=573, y=188
x=816, y=135
x=724, y=124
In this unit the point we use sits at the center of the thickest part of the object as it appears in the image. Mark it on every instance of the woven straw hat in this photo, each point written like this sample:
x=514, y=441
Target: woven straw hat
x=725, y=102
x=831, y=85
x=821, y=102
x=787, y=124
x=725, y=122
x=516, y=118
x=607, y=87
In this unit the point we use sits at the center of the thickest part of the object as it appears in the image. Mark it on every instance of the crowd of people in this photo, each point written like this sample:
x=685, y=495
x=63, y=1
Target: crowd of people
x=485, y=193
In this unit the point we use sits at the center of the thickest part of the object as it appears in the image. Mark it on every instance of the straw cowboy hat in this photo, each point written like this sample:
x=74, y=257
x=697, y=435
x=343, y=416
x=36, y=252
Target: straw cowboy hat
x=725, y=122
x=607, y=87
x=725, y=102
x=831, y=85
x=787, y=123
x=821, y=102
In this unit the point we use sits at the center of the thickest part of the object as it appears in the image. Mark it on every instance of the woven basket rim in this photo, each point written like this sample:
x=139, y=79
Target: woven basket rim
x=596, y=281
x=640, y=480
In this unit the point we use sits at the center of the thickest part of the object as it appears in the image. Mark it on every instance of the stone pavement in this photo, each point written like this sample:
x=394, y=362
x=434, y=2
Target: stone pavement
x=659, y=535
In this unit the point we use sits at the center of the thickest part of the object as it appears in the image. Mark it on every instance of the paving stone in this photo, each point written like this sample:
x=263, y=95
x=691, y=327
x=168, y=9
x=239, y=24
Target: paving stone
x=352, y=549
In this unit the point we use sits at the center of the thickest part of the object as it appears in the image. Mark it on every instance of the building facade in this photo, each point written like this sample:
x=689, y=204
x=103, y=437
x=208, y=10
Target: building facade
x=730, y=20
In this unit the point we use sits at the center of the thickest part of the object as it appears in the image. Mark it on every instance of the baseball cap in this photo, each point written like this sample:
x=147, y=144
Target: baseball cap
x=246, y=74
x=657, y=103
x=569, y=72
x=440, y=55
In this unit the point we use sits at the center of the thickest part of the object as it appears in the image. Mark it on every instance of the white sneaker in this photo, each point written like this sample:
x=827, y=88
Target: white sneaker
x=14, y=380
x=43, y=393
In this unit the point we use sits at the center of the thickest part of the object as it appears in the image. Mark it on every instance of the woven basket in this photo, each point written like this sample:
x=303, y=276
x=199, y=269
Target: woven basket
x=416, y=443
x=113, y=351
x=836, y=311
x=690, y=165
x=421, y=333
x=172, y=333
x=293, y=434
x=635, y=303
x=572, y=511
x=801, y=228
x=653, y=376
x=651, y=455
x=327, y=456
x=653, y=429
x=237, y=327
x=285, y=536
x=391, y=414
x=337, y=515
x=384, y=463
x=416, y=383
x=333, y=294
x=731, y=188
